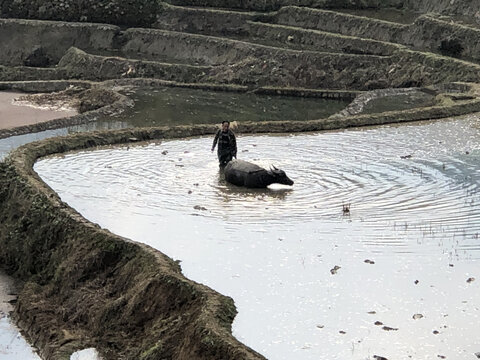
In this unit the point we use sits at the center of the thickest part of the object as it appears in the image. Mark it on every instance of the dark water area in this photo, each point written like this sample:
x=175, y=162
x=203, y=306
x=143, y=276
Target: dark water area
x=398, y=102
x=398, y=276
x=177, y=106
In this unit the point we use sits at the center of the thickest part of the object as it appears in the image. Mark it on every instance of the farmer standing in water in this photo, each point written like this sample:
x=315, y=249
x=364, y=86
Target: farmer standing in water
x=227, y=144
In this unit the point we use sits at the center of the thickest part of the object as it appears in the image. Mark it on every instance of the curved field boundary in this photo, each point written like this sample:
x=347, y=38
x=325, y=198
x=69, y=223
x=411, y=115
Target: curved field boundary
x=122, y=102
x=84, y=286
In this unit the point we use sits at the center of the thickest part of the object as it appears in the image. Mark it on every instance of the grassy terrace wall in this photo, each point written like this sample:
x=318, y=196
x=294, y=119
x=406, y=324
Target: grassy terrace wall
x=298, y=38
x=463, y=7
x=344, y=24
x=204, y=21
x=19, y=38
x=268, y=5
x=428, y=32
x=233, y=61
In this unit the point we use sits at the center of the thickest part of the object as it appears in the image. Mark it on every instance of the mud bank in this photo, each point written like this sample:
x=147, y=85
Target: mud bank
x=90, y=100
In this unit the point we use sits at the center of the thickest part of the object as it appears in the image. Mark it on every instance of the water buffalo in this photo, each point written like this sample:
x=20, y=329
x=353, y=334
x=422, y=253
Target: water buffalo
x=244, y=173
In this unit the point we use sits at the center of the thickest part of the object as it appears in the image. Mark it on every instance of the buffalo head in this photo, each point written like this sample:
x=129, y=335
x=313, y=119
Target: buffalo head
x=280, y=177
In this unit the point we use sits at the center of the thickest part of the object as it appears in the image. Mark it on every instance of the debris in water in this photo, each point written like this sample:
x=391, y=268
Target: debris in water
x=342, y=332
x=378, y=323
x=335, y=269
x=467, y=152
x=442, y=356
x=416, y=282
x=369, y=261
x=346, y=209
x=451, y=265
x=377, y=357
x=372, y=312
x=190, y=191
x=436, y=332
x=417, y=316
x=477, y=354
x=469, y=280
x=164, y=152
x=320, y=326
x=406, y=156
x=198, y=207
x=388, y=328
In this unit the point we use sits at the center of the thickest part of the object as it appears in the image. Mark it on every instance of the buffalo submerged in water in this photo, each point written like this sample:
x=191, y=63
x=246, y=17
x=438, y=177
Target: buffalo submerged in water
x=244, y=173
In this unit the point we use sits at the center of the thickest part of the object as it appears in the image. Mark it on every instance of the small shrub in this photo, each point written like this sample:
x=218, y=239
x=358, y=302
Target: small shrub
x=451, y=47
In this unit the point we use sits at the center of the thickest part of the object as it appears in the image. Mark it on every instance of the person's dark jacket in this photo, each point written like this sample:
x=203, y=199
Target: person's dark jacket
x=227, y=144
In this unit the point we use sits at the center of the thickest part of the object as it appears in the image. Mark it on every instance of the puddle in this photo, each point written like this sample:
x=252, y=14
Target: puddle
x=310, y=282
x=12, y=345
x=86, y=354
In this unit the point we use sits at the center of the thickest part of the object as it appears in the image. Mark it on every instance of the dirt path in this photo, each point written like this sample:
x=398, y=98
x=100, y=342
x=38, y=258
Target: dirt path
x=13, y=115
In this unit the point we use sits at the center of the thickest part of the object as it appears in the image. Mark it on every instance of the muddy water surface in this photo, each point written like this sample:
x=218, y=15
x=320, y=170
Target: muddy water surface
x=177, y=106
x=14, y=113
x=397, y=277
x=12, y=345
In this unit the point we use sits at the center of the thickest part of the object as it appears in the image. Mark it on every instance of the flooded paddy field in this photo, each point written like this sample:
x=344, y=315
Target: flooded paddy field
x=178, y=106
x=397, y=276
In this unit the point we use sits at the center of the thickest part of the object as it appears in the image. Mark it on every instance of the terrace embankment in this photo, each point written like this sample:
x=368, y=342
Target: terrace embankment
x=303, y=47
x=84, y=286
x=87, y=287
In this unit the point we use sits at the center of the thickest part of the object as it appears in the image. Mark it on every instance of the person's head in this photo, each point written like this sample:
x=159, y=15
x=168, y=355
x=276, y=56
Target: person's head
x=225, y=125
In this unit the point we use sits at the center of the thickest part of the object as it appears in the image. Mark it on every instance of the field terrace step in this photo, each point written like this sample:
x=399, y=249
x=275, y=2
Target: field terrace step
x=269, y=5
x=19, y=38
x=206, y=21
x=79, y=64
x=341, y=23
x=308, y=39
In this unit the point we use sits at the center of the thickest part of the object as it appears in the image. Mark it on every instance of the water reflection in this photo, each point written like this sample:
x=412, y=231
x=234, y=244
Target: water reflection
x=178, y=106
x=409, y=245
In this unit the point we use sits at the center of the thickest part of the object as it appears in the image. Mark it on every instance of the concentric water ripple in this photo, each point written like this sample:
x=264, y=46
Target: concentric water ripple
x=414, y=209
x=386, y=175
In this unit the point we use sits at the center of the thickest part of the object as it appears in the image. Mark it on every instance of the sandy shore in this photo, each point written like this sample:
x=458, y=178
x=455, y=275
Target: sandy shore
x=13, y=115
